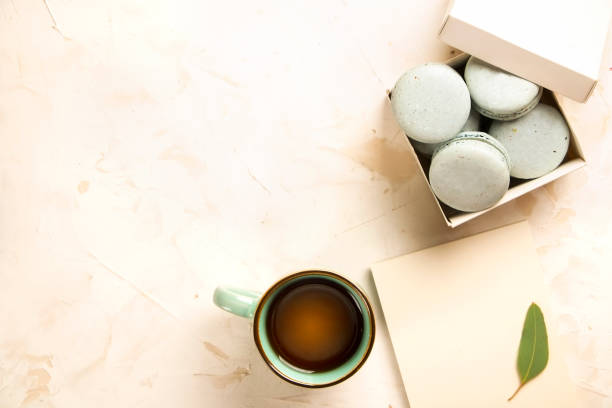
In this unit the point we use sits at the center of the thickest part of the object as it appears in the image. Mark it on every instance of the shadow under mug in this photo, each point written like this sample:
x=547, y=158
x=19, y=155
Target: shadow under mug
x=255, y=306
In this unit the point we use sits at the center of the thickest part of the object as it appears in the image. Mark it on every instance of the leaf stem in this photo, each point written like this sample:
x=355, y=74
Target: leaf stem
x=516, y=392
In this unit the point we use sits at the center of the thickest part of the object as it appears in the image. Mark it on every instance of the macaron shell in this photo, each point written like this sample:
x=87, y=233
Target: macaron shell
x=471, y=124
x=469, y=174
x=431, y=103
x=498, y=94
x=537, y=142
x=510, y=116
x=483, y=137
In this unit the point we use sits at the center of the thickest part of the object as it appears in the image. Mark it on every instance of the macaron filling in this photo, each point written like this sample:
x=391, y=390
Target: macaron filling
x=510, y=116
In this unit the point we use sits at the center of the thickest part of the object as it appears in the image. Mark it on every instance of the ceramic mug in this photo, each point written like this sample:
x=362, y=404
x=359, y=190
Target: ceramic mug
x=255, y=306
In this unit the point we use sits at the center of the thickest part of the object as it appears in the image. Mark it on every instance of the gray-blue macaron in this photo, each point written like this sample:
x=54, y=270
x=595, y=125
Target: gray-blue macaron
x=431, y=103
x=470, y=172
x=537, y=142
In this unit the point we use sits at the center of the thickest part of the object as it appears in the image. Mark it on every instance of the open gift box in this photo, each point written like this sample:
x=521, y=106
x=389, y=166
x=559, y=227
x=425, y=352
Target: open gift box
x=562, y=53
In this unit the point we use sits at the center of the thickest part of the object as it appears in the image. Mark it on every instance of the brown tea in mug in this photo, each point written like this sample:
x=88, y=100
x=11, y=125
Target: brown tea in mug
x=315, y=324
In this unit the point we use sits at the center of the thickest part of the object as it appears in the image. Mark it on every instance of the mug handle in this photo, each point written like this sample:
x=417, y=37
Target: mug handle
x=240, y=302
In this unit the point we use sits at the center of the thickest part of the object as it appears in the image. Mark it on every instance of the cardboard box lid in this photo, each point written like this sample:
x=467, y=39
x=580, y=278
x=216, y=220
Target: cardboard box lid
x=556, y=44
x=455, y=313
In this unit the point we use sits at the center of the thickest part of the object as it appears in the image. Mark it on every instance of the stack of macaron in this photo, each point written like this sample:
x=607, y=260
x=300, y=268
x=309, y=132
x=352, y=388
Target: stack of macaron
x=441, y=113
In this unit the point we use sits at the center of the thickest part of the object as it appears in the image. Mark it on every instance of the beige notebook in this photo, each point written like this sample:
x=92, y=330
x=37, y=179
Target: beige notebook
x=455, y=313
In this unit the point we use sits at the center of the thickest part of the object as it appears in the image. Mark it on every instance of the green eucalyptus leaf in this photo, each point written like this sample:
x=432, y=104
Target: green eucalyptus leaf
x=533, y=349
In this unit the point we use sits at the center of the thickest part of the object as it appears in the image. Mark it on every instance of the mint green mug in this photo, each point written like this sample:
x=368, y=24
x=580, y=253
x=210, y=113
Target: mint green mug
x=255, y=306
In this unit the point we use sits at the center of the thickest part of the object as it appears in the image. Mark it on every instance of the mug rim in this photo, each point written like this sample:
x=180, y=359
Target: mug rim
x=265, y=297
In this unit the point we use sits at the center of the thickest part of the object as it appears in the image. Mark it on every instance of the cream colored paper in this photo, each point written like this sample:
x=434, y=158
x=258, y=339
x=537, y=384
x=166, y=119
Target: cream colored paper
x=558, y=45
x=455, y=314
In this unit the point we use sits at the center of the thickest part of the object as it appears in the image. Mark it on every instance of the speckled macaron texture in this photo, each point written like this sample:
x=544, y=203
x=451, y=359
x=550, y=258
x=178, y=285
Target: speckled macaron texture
x=431, y=103
x=498, y=94
x=471, y=172
x=537, y=142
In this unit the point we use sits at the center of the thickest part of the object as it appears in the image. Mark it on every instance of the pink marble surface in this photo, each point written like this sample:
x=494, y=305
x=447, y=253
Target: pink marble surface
x=152, y=150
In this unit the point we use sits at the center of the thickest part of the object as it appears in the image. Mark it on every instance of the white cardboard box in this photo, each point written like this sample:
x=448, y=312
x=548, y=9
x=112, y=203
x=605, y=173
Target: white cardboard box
x=573, y=160
x=557, y=44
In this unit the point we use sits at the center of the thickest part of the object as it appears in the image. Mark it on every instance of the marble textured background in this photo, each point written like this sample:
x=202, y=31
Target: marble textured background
x=152, y=150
